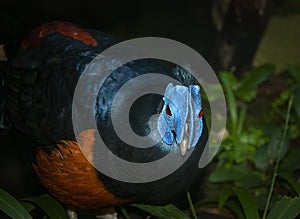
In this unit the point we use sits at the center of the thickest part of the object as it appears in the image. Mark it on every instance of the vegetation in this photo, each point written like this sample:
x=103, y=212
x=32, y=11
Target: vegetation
x=22, y=209
x=257, y=162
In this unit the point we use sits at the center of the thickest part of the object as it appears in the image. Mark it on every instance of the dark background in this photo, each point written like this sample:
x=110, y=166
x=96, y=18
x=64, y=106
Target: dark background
x=216, y=29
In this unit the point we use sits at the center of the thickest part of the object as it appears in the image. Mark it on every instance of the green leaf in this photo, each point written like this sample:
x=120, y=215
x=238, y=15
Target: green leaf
x=294, y=131
x=262, y=161
x=291, y=162
x=246, y=94
x=235, y=209
x=12, y=207
x=292, y=181
x=250, y=210
x=261, y=197
x=224, y=175
x=295, y=72
x=250, y=181
x=286, y=208
x=258, y=75
x=238, y=174
x=52, y=208
x=224, y=195
x=247, y=202
x=232, y=80
x=283, y=98
x=28, y=206
x=260, y=200
x=248, y=85
x=274, y=143
x=225, y=79
x=163, y=212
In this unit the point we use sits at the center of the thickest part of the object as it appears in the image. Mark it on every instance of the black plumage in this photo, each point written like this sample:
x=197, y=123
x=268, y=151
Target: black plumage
x=40, y=85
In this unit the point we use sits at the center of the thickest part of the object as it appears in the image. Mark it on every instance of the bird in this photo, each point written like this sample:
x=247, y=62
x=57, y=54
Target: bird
x=39, y=86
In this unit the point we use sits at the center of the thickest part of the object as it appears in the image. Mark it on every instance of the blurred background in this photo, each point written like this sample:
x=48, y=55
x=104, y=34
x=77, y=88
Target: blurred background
x=227, y=33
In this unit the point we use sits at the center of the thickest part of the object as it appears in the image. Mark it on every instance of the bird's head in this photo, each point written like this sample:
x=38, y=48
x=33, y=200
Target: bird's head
x=181, y=117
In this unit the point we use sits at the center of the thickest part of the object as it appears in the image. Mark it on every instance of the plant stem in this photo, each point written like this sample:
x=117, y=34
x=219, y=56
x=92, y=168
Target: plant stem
x=241, y=120
x=286, y=126
x=124, y=212
x=231, y=101
x=191, y=205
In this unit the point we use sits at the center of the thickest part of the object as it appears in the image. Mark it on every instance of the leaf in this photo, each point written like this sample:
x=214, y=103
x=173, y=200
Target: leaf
x=292, y=181
x=291, y=162
x=250, y=181
x=224, y=175
x=248, y=85
x=286, y=208
x=283, y=98
x=246, y=94
x=261, y=158
x=294, y=131
x=225, y=79
x=232, y=81
x=224, y=195
x=258, y=75
x=235, y=209
x=261, y=199
x=12, y=207
x=28, y=206
x=247, y=202
x=163, y=212
x=295, y=72
x=274, y=143
x=52, y=208
x=238, y=174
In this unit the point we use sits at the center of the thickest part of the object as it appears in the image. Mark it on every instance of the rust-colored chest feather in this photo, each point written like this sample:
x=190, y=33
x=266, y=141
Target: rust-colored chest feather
x=71, y=178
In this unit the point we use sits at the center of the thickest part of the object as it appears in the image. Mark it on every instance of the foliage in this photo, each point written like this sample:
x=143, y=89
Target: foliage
x=258, y=160
x=21, y=209
x=163, y=212
x=12, y=207
x=241, y=144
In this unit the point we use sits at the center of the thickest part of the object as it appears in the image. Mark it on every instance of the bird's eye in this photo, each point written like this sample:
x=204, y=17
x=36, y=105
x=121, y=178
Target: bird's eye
x=168, y=111
x=200, y=114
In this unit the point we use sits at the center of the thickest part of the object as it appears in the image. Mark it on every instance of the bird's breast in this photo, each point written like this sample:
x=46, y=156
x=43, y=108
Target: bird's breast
x=76, y=181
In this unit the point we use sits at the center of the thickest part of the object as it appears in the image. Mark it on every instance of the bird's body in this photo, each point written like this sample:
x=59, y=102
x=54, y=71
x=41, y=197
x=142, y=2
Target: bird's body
x=40, y=84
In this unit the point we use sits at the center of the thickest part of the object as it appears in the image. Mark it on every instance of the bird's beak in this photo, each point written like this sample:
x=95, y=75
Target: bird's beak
x=184, y=144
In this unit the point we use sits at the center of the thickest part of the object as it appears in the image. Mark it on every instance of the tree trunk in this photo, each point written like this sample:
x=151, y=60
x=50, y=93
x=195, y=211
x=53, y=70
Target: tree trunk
x=240, y=34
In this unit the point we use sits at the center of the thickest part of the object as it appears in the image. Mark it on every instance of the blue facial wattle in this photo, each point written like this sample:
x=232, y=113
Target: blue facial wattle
x=197, y=114
x=181, y=116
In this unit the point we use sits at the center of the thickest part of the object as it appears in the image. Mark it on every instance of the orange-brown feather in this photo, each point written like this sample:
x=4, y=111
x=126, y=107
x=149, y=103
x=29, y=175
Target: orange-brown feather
x=71, y=178
x=34, y=38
